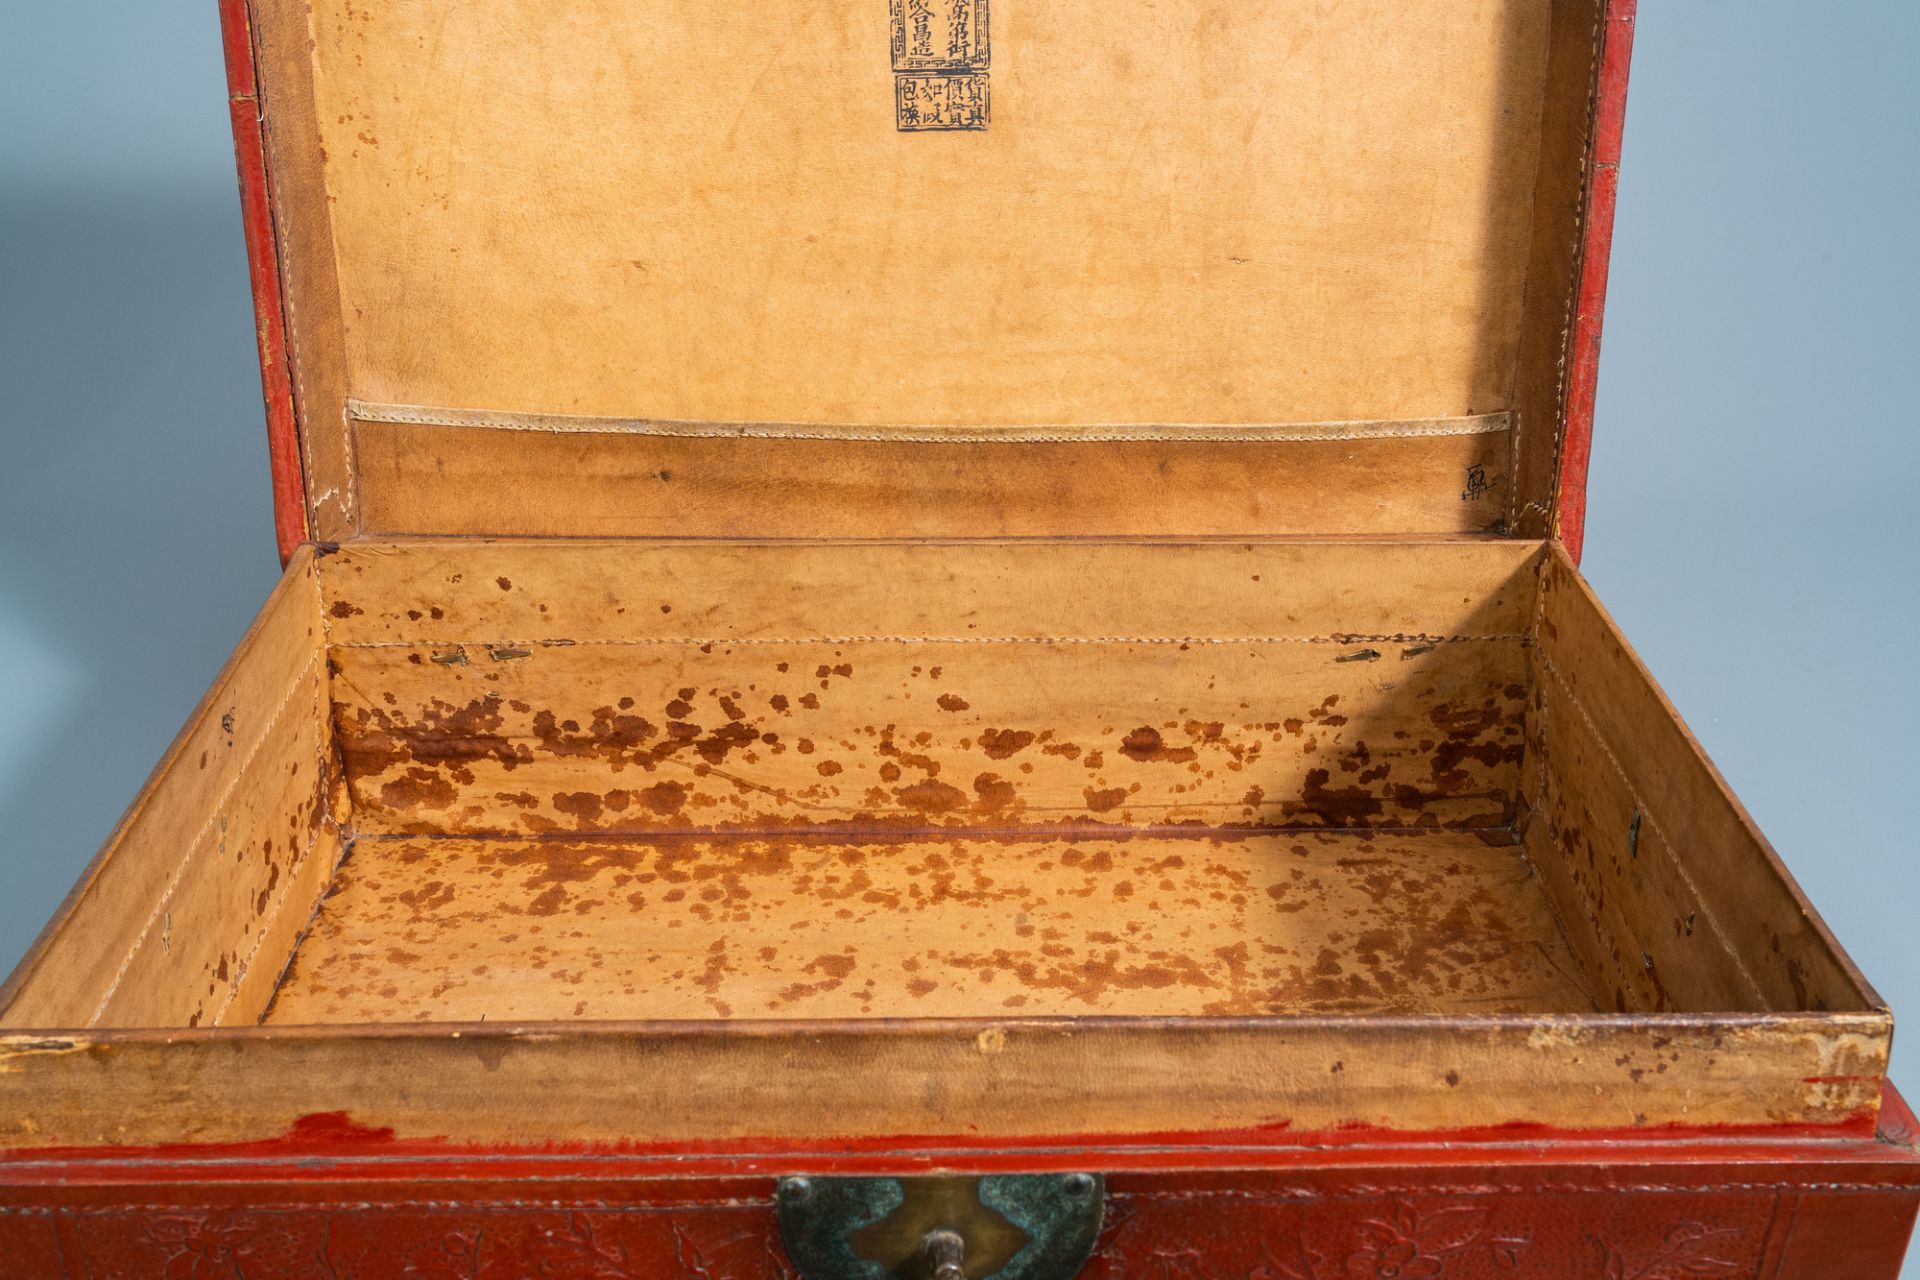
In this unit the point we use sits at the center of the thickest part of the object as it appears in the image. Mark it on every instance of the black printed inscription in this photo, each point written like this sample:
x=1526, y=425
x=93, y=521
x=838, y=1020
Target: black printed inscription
x=940, y=102
x=941, y=51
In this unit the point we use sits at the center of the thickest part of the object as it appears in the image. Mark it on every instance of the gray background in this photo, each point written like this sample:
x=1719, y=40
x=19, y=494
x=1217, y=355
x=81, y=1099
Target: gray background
x=1754, y=468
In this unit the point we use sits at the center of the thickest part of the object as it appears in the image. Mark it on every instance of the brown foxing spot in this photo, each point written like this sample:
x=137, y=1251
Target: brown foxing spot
x=744, y=745
x=1332, y=922
x=1145, y=743
x=1001, y=743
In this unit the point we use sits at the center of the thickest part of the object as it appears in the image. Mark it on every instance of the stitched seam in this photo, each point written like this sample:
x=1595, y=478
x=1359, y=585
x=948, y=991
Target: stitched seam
x=1487, y=424
x=703, y=641
x=1148, y=1197
x=1372, y=1191
x=332, y=784
x=193, y=845
x=1545, y=789
x=1609, y=944
x=478, y=1206
x=289, y=292
x=349, y=459
x=1513, y=469
x=1647, y=818
x=1785, y=1212
x=1533, y=642
x=320, y=603
x=1527, y=811
x=1569, y=318
x=325, y=823
x=260, y=939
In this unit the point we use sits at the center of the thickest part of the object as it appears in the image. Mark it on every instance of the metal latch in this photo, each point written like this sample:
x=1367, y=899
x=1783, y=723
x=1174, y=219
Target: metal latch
x=998, y=1227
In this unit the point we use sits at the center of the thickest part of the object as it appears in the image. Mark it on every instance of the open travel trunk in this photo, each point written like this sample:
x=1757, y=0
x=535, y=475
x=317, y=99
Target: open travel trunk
x=872, y=575
x=1026, y=837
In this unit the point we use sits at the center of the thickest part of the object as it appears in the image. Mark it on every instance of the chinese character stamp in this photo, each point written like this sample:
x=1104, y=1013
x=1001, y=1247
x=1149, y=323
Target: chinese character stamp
x=940, y=57
x=940, y=102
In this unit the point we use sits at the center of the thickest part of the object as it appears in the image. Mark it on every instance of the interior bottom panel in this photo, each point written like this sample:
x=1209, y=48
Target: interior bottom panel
x=678, y=927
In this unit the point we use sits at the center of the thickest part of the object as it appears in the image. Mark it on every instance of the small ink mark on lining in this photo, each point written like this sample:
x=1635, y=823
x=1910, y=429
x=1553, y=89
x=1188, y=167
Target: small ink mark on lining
x=1478, y=486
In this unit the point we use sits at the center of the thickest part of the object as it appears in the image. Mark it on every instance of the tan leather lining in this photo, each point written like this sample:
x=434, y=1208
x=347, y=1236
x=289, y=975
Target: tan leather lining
x=466, y=480
x=1194, y=224
x=1559, y=210
x=306, y=235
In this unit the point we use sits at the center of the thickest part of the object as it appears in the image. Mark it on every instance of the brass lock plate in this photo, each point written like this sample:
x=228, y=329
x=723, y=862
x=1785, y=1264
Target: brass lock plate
x=996, y=1227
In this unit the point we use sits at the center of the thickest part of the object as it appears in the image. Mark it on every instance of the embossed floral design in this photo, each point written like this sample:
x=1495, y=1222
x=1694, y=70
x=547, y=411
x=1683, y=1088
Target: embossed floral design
x=200, y=1248
x=750, y=1255
x=1395, y=1260
x=1691, y=1251
x=1115, y=1257
x=1191, y=1264
x=330, y=1261
x=1300, y=1266
x=1411, y=1245
x=1176, y=1264
x=459, y=1259
x=601, y=1243
x=582, y=1252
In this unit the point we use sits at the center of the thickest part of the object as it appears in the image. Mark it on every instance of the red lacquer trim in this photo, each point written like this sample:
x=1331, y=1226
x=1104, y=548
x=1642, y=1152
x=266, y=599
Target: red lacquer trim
x=1859, y=1163
x=263, y=261
x=332, y=1144
x=1583, y=370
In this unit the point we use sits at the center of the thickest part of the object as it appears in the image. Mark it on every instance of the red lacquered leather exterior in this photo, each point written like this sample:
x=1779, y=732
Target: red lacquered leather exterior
x=1603, y=188
x=263, y=262
x=1678, y=1207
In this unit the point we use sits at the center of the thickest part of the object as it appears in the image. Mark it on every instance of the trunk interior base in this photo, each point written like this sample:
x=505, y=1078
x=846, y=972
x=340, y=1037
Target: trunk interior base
x=1189, y=924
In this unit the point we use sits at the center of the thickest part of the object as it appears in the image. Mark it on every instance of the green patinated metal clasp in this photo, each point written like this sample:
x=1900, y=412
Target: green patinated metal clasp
x=998, y=1227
